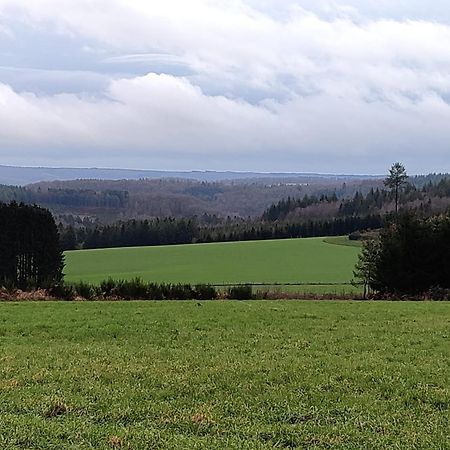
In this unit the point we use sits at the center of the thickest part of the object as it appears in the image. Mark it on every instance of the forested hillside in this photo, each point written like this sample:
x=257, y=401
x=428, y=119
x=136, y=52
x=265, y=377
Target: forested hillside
x=307, y=216
x=98, y=213
x=111, y=200
x=426, y=194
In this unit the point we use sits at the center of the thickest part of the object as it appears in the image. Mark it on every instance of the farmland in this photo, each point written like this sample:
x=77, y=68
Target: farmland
x=284, y=261
x=224, y=375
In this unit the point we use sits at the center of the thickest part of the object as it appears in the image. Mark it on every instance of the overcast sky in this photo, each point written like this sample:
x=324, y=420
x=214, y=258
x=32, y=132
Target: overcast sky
x=335, y=86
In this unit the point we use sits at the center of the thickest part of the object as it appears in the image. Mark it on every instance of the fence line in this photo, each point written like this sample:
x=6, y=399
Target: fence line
x=286, y=284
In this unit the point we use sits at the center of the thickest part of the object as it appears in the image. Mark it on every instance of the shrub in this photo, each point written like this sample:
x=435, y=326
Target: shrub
x=240, y=292
x=8, y=285
x=85, y=290
x=205, y=292
x=180, y=292
x=107, y=287
x=439, y=294
x=62, y=291
x=355, y=236
x=137, y=289
x=134, y=289
x=155, y=291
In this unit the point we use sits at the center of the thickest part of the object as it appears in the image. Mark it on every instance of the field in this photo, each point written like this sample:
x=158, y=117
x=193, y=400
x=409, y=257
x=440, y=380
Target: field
x=224, y=375
x=283, y=261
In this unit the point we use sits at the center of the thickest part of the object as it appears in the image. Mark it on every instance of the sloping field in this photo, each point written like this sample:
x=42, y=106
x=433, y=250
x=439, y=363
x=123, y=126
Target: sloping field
x=224, y=375
x=283, y=261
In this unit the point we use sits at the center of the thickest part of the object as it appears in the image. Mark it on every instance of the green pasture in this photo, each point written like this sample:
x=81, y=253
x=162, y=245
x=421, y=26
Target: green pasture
x=224, y=375
x=282, y=261
x=343, y=240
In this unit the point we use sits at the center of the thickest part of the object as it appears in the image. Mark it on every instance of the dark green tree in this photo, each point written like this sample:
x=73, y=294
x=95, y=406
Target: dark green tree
x=410, y=257
x=30, y=254
x=68, y=238
x=396, y=179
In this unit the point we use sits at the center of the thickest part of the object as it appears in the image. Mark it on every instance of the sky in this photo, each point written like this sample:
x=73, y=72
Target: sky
x=329, y=86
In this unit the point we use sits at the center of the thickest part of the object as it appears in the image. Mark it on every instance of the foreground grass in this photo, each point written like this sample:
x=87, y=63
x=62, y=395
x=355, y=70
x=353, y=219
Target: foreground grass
x=224, y=375
x=282, y=261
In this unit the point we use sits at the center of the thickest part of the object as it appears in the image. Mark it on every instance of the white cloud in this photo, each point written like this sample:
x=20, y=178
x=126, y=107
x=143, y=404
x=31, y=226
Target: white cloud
x=309, y=83
x=168, y=119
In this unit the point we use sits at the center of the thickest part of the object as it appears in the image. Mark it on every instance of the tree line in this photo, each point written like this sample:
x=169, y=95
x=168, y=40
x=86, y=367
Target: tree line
x=171, y=231
x=91, y=198
x=376, y=201
x=361, y=212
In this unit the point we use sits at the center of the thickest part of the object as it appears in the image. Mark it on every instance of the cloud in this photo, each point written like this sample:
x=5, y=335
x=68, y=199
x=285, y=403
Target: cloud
x=41, y=81
x=232, y=84
x=167, y=119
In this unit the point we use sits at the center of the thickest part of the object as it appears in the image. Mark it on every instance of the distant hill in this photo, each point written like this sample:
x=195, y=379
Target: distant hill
x=21, y=176
x=110, y=200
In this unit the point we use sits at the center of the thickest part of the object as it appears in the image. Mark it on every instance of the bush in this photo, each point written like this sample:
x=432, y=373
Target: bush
x=62, y=291
x=439, y=294
x=240, y=292
x=134, y=289
x=355, y=236
x=8, y=285
x=180, y=292
x=137, y=289
x=205, y=292
x=85, y=290
x=107, y=287
x=155, y=291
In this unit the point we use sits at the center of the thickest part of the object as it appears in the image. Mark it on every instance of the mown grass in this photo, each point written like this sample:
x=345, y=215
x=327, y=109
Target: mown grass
x=282, y=261
x=224, y=375
x=343, y=240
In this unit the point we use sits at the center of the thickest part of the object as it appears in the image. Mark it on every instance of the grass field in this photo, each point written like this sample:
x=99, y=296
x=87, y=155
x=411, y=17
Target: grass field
x=224, y=375
x=343, y=240
x=283, y=261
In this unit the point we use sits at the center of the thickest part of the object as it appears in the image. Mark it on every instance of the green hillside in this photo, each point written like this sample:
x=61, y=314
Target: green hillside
x=283, y=261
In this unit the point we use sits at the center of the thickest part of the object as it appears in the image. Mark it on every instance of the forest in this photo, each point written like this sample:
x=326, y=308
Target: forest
x=406, y=221
x=110, y=200
x=307, y=216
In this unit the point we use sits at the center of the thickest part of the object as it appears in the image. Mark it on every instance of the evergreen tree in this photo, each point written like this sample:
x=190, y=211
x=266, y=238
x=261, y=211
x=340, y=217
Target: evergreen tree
x=410, y=257
x=30, y=253
x=395, y=180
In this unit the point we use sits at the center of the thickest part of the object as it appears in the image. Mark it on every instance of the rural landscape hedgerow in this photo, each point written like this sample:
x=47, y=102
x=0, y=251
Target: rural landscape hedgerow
x=224, y=225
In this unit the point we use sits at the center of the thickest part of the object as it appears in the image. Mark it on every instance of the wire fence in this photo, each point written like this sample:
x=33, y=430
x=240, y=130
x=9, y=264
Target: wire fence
x=304, y=290
x=303, y=284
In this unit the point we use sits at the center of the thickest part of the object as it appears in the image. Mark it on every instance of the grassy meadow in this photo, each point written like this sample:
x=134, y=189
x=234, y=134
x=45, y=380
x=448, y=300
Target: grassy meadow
x=282, y=261
x=224, y=375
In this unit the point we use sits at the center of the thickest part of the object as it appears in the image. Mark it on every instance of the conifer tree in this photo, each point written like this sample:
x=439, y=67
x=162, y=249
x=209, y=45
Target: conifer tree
x=395, y=180
x=30, y=254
